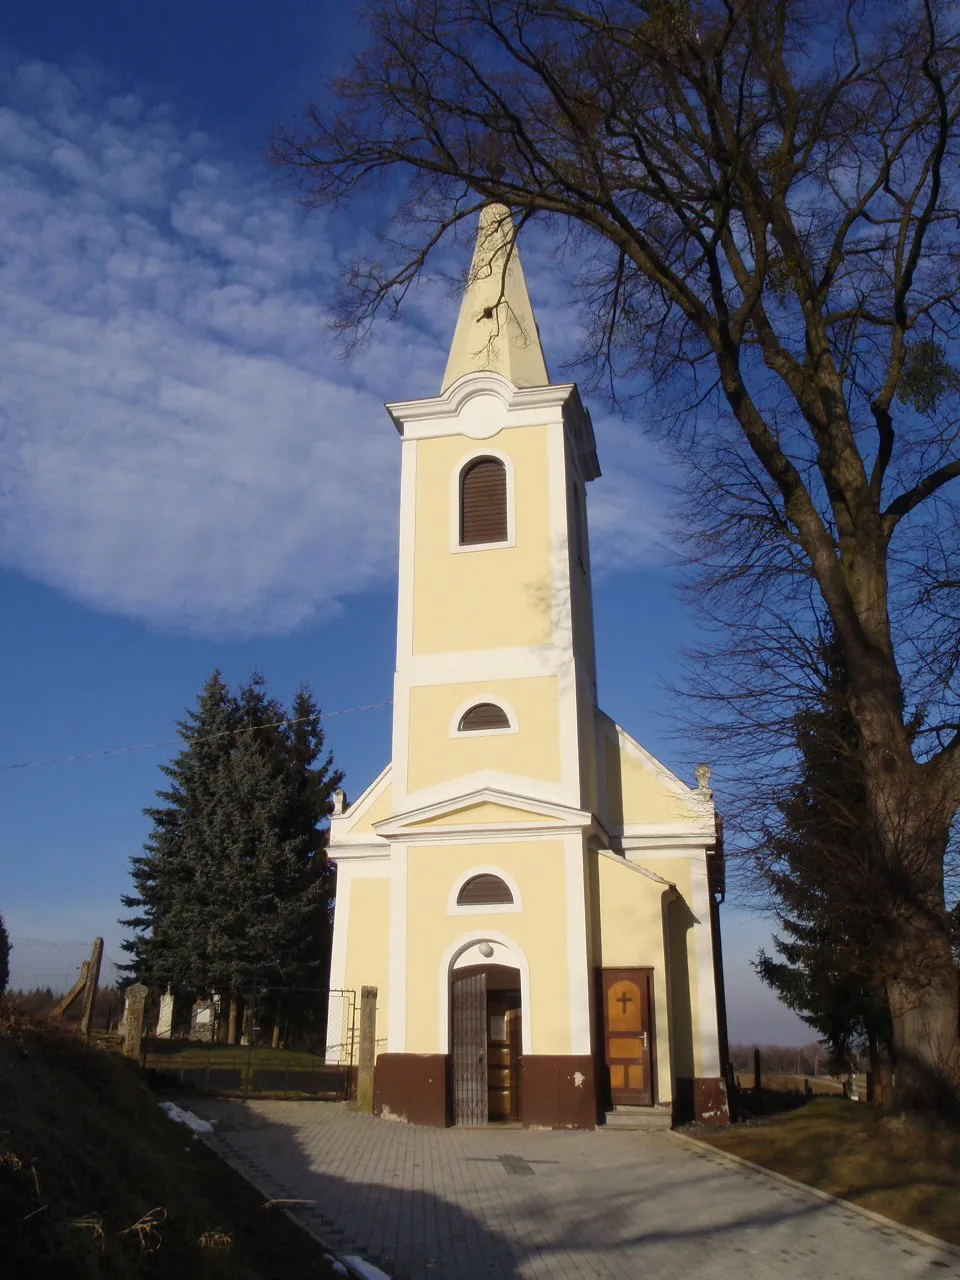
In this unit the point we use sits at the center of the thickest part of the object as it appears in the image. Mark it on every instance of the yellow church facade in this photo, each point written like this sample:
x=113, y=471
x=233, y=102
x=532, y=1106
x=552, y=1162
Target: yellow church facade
x=533, y=895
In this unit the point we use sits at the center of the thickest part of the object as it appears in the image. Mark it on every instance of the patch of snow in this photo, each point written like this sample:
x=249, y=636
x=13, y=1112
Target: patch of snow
x=177, y=1114
x=336, y=1266
x=364, y=1270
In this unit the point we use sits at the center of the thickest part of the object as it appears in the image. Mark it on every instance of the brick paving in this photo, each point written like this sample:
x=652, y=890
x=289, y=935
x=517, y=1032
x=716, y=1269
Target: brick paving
x=500, y=1204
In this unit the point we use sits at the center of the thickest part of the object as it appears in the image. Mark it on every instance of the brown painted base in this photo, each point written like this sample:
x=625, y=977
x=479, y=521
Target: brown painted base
x=555, y=1092
x=703, y=1099
x=411, y=1087
x=559, y=1092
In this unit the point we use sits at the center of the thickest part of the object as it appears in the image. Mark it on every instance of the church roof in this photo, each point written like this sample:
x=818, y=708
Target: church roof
x=496, y=329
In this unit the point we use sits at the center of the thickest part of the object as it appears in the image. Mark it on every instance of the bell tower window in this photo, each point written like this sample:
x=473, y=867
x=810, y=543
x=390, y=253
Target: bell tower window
x=482, y=717
x=483, y=502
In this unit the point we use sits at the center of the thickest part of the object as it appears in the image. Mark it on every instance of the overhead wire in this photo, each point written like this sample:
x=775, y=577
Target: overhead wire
x=175, y=742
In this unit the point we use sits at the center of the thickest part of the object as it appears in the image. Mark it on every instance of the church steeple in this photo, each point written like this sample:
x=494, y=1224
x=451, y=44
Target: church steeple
x=496, y=330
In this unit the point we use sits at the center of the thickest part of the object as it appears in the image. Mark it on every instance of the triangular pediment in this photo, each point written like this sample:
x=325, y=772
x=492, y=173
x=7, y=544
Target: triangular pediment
x=486, y=809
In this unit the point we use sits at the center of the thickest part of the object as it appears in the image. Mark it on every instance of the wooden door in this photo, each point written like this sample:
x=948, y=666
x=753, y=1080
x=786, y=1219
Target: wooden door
x=627, y=1033
x=468, y=1001
x=503, y=1054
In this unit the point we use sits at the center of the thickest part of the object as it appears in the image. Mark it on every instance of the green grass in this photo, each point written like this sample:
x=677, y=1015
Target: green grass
x=95, y=1181
x=167, y=1060
x=192, y=1055
x=906, y=1174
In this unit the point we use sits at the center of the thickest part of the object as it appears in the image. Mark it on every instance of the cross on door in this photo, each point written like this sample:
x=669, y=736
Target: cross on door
x=623, y=1000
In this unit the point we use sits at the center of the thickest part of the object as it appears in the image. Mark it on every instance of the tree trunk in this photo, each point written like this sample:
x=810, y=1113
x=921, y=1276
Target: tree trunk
x=925, y=1013
x=275, y=1038
x=233, y=1018
x=910, y=813
x=881, y=1074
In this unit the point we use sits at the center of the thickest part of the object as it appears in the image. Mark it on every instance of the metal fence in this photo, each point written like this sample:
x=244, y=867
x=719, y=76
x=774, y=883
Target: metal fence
x=265, y=1042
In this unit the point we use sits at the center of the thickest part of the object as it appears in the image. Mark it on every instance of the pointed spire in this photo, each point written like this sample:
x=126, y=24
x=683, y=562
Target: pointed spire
x=496, y=329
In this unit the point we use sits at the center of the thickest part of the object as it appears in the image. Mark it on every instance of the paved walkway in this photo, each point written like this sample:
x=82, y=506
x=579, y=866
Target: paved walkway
x=511, y=1203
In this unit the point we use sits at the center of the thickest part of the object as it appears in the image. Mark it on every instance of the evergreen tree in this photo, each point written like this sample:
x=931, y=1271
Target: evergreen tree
x=820, y=861
x=233, y=886
x=4, y=957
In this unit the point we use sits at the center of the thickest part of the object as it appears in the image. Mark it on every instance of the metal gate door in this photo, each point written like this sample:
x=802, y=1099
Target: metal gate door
x=469, y=1049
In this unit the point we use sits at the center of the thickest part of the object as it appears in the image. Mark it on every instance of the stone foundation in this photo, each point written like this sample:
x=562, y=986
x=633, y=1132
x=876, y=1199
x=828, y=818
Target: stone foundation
x=411, y=1087
x=559, y=1092
x=704, y=1099
x=556, y=1092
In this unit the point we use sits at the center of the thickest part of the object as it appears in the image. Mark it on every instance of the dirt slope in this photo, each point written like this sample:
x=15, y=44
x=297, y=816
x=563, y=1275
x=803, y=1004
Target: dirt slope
x=96, y=1182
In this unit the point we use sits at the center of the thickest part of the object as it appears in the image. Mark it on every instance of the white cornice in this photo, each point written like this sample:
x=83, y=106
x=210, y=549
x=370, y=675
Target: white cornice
x=359, y=852
x=551, y=819
x=449, y=413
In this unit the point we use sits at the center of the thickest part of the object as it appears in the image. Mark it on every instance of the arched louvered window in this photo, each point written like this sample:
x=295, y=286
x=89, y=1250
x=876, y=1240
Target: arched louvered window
x=484, y=891
x=485, y=715
x=483, y=502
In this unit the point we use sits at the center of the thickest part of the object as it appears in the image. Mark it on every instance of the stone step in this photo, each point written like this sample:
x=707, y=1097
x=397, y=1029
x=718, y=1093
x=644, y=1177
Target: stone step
x=639, y=1118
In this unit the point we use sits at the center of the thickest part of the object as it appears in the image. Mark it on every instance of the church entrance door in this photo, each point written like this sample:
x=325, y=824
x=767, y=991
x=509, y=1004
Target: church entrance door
x=468, y=1009
x=486, y=1044
x=628, y=1035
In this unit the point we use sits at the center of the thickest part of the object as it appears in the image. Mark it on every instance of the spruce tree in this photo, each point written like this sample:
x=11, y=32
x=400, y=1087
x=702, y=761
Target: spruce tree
x=4, y=957
x=820, y=862
x=233, y=888
x=170, y=940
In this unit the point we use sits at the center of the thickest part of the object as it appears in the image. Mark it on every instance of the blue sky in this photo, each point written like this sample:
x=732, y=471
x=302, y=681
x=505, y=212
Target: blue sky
x=190, y=475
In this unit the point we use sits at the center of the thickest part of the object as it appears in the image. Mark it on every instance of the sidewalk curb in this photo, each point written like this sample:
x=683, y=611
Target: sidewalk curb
x=876, y=1219
x=236, y=1162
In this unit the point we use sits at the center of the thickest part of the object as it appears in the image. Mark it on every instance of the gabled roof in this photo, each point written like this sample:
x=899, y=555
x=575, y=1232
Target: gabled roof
x=496, y=329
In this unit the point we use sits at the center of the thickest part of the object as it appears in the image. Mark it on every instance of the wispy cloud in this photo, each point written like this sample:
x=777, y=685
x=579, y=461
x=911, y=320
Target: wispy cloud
x=180, y=441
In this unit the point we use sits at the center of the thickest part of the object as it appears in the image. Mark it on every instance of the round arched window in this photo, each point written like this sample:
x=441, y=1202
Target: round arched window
x=483, y=891
x=483, y=502
x=484, y=715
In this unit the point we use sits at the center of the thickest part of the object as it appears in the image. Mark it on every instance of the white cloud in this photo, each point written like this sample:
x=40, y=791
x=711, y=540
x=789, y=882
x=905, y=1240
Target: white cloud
x=179, y=440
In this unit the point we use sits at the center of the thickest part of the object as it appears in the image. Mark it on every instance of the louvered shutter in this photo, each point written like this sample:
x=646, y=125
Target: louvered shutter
x=483, y=502
x=484, y=890
x=485, y=715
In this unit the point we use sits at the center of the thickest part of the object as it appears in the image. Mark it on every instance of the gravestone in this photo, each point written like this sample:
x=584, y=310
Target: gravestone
x=165, y=1021
x=135, y=998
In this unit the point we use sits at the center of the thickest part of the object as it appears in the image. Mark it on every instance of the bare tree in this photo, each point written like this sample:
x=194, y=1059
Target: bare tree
x=764, y=194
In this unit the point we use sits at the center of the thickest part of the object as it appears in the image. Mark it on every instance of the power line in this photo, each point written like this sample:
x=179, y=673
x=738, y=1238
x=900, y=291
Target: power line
x=176, y=742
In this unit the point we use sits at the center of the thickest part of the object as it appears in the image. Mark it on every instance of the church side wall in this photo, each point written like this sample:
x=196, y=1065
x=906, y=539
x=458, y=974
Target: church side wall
x=367, y=953
x=700, y=1091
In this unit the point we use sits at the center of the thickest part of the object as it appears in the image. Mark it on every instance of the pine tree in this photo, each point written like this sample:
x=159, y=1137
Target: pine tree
x=170, y=943
x=234, y=888
x=4, y=957
x=819, y=864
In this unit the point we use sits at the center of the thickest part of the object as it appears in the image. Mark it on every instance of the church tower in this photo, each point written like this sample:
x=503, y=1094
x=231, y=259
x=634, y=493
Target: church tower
x=489, y=881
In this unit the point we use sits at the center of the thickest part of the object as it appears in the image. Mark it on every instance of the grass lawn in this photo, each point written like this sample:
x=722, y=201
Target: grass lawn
x=841, y=1147
x=192, y=1055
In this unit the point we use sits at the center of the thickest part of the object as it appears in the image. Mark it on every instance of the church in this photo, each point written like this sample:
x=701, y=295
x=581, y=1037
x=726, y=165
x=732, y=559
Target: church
x=534, y=896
